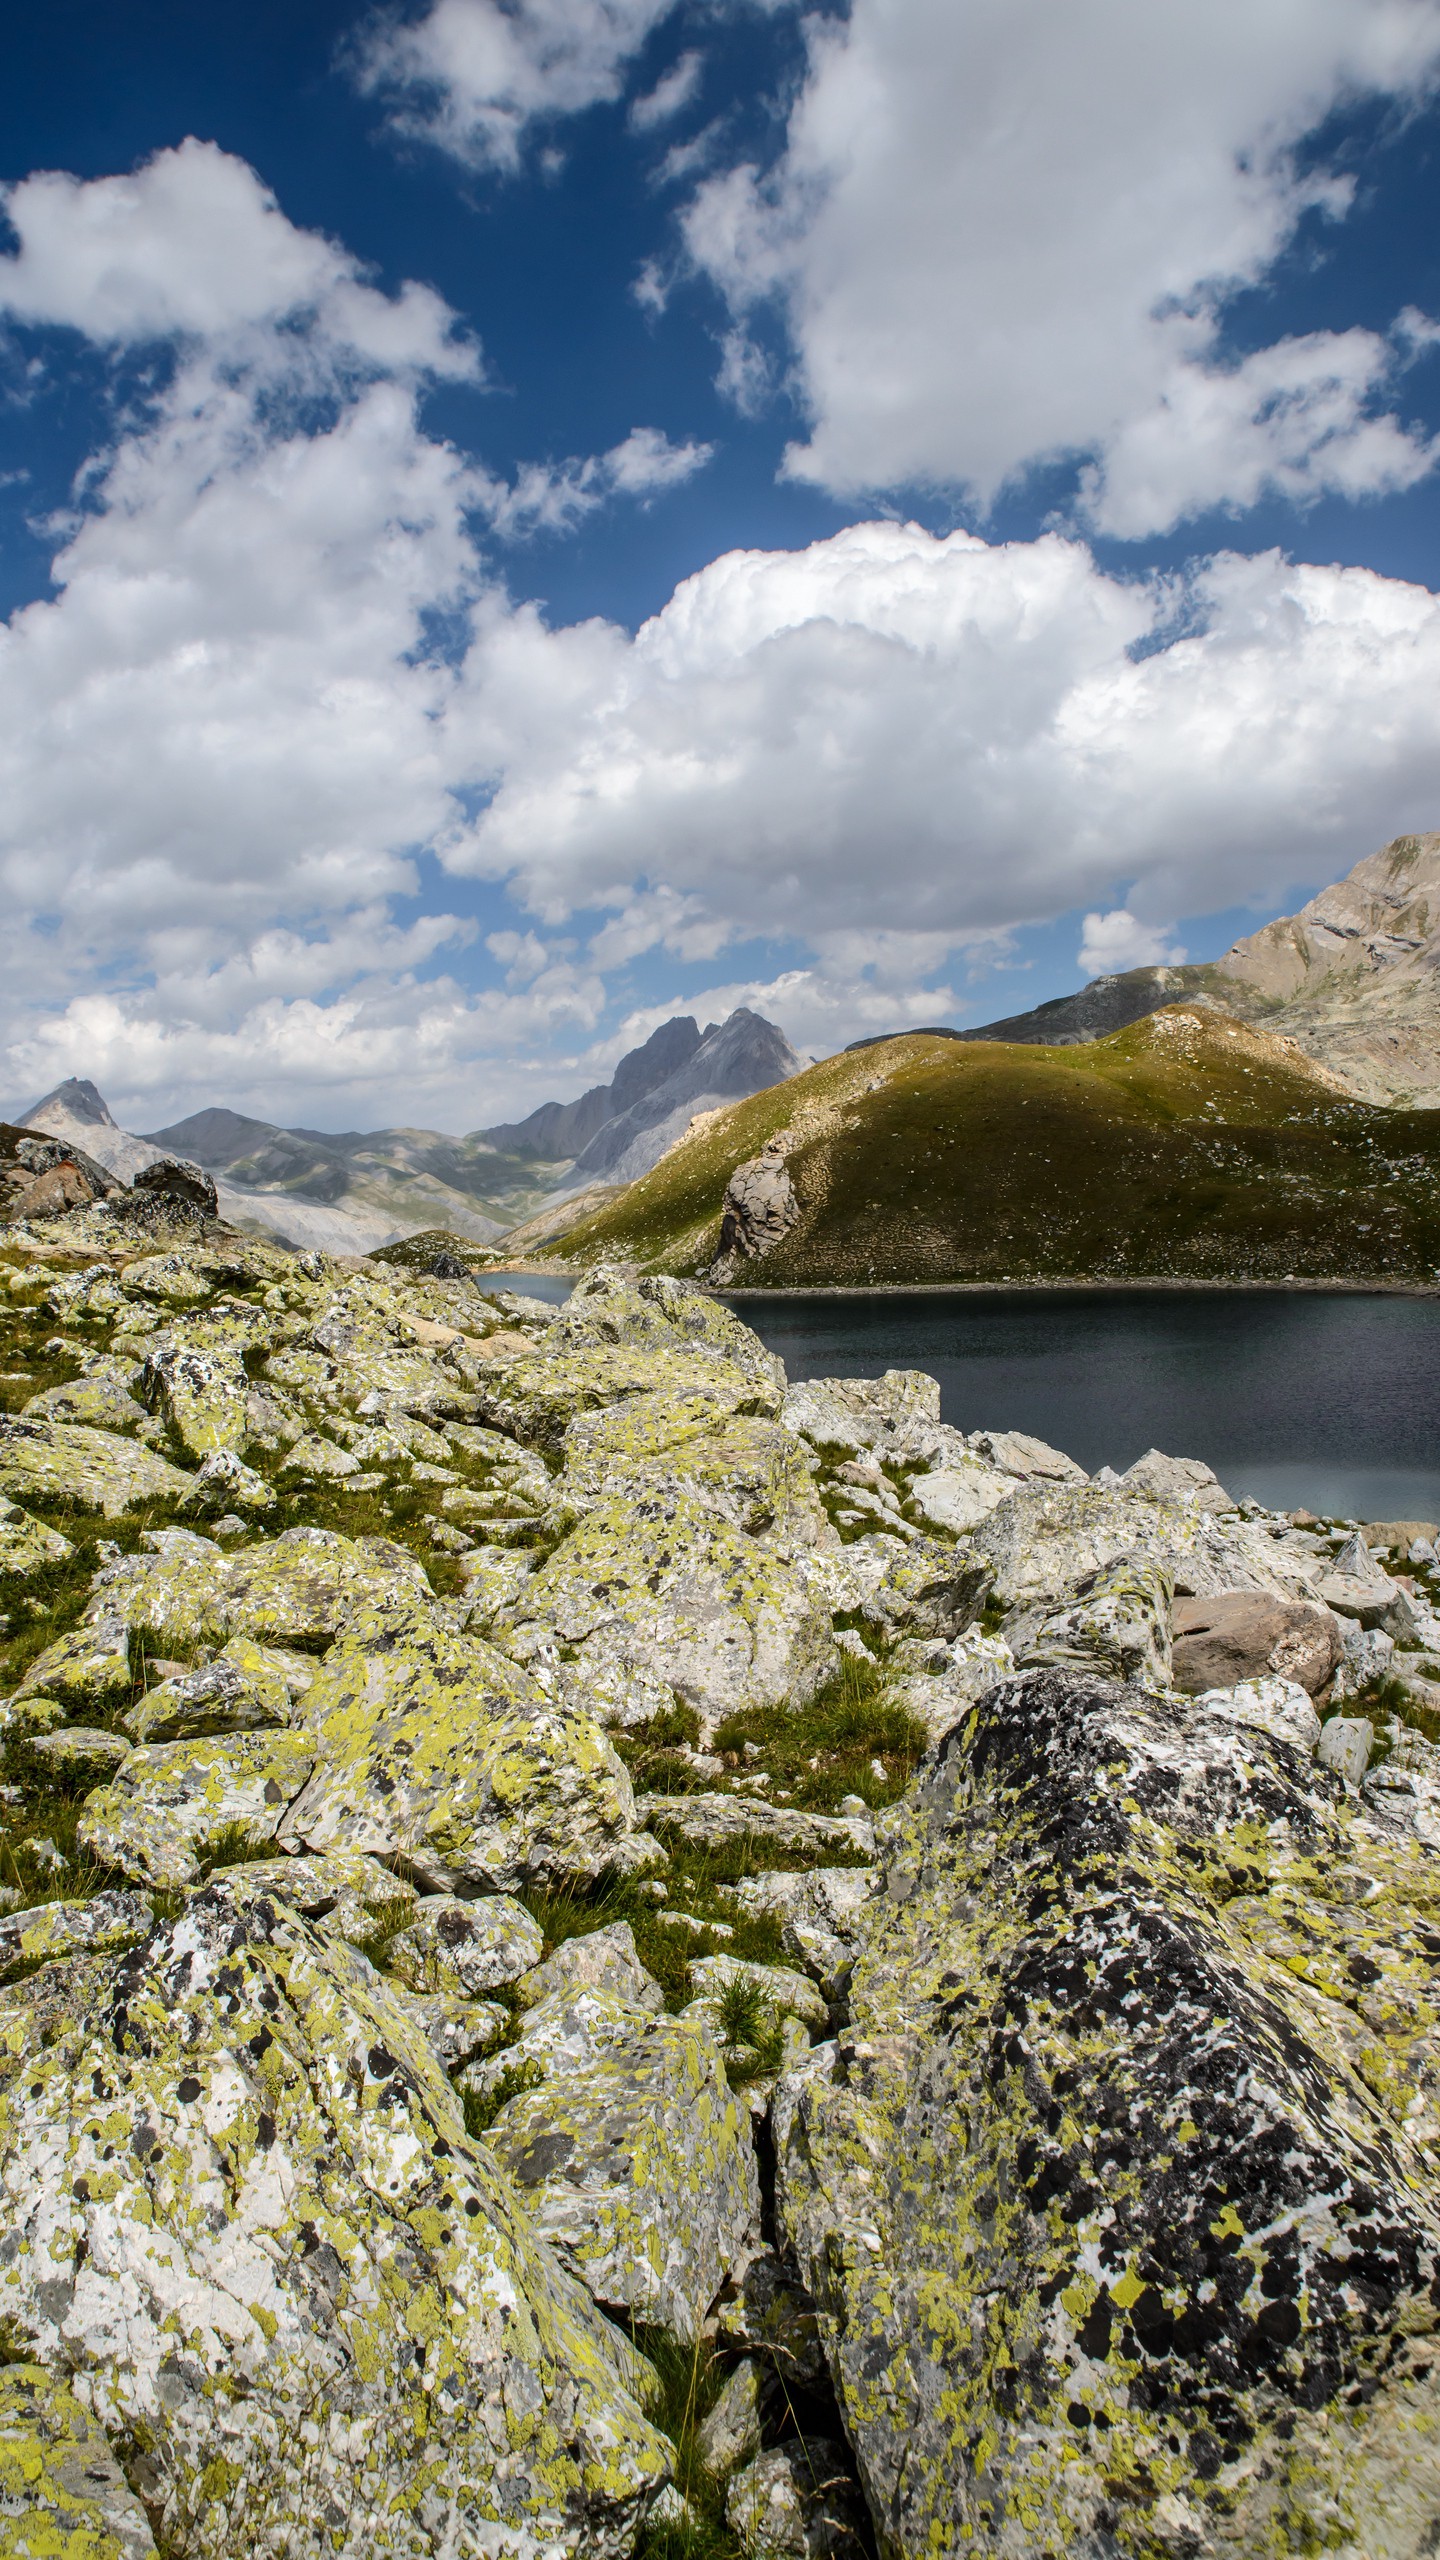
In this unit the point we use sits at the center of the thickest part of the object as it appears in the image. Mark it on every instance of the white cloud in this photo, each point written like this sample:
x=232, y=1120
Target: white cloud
x=553, y=497
x=1003, y=231
x=192, y=245
x=671, y=95
x=888, y=732
x=1120, y=941
x=473, y=77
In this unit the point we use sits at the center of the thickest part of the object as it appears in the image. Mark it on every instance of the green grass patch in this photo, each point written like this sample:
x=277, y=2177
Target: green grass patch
x=819, y=1753
x=480, y=2107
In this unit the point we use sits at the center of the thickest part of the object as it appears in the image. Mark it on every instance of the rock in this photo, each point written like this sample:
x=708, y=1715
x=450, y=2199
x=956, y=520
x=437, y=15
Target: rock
x=91, y=1470
x=43, y=1177
x=246, y=1688
x=656, y=1583
x=1376, y=1601
x=313, y=1455
x=925, y=1588
x=600, y=1960
x=1276, y=1706
x=1345, y=1745
x=223, y=1479
x=292, y=1589
x=177, y=1182
x=169, y=1800
x=101, y=1398
x=637, y=2166
x=493, y=1578
x=790, y=1995
x=820, y=1913
x=1399, y=1536
x=349, y=1892
x=936, y=1681
x=1367, y=1653
x=797, y=2502
x=457, y=2030
x=27, y=1544
x=1020, y=1454
x=436, y=1749
x=1126, y=2137
x=466, y=1947
x=770, y=2313
x=55, y=1929
x=1116, y=1623
x=730, y=2433
x=662, y=1314
x=88, y=1667
x=71, y=1747
x=62, y=2492
x=709, y=1821
x=239, y=2196
x=1241, y=1635
x=861, y=1413
x=173, y=1277
x=1044, y=1539
x=1178, y=1480
x=748, y=1470
x=202, y=1394
x=758, y=1211
x=959, y=1497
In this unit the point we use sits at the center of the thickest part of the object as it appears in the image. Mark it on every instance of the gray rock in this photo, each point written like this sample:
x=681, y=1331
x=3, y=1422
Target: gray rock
x=959, y=1497
x=730, y=2432
x=771, y=2313
x=820, y=1913
x=89, y=1667
x=862, y=1413
x=180, y=1184
x=1045, y=1538
x=1279, y=1707
x=1020, y=1454
x=797, y=2502
x=758, y=1211
x=61, y=2489
x=1243, y=1635
x=458, y=2030
x=710, y=1820
x=1179, y=1480
x=467, y=1947
x=53, y=1929
x=1022, y=2149
x=1116, y=1622
x=71, y=1747
x=246, y=1688
x=26, y=1543
x=600, y=1960
x=1345, y=1745
x=790, y=1995
x=241, y=2119
x=168, y=1802
x=1367, y=1653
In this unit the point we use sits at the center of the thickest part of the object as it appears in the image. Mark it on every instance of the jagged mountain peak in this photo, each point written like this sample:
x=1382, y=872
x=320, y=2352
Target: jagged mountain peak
x=79, y=1099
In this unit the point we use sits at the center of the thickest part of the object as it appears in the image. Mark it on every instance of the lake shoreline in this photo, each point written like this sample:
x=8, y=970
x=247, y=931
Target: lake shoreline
x=1089, y=1288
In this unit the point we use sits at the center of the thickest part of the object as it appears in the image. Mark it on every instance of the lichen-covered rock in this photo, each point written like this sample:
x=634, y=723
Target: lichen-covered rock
x=26, y=1543
x=69, y=1748
x=1118, y=2196
x=348, y=1892
x=169, y=1800
x=63, y=2495
x=90, y=1666
x=537, y=1397
x=959, y=1497
x=797, y=2502
x=286, y=1590
x=101, y=1397
x=862, y=1413
x=710, y=1821
x=313, y=1455
x=936, y=1682
x=1020, y=1454
x=768, y=2311
x=458, y=2030
x=241, y=2209
x=92, y=1470
x=925, y=1588
x=246, y=1687
x=1044, y=1539
x=657, y=1312
x=748, y=1470
x=179, y=1279
x=657, y=1582
x=223, y=1480
x=599, y=1960
x=1277, y=1706
x=821, y=1916
x=469, y=1947
x=71, y=1928
x=493, y=1577
x=201, y=1393
x=791, y=1995
x=436, y=1749
x=1117, y=1622
x=1178, y=1479
x=637, y=2166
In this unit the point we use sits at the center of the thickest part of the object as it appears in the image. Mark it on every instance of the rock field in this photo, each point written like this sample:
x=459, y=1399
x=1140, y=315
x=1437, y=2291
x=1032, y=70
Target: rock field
x=600, y=1953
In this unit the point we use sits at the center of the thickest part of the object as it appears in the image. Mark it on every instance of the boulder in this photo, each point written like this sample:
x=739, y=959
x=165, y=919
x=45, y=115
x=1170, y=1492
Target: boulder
x=43, y=1177
x=288, y=1590
x=959, y=1497
x=797, y=2502
x=1345, y=1745
x=435, y=1749
x=599, y=1960
x=758, y=1211
x=69, y=1748
x=63, y=2495
x=659, y=1583
x=636, y=2164
x=862, y=1413
x=458, y=2031
x=1397, y=1537
x=1117, y=1621
x=89, y=1470
x=348, y=1892
x=245, y=1688
x=202, y=1395
x=768, y=2312
x=1020, y=1454
x=730, y=2433
x=747, y=1470
x=101, y=1398
x=54, y=1929
x=168, y=1801
x=1280, y=1707
x=27, y=1544
x=1124, y=2170
x=536, y=1398
x=661, y=1314
x=712, y=1821
x=1242, y=1635
x=90, y=1666
x=465, y=1947
x=1044, y=1539
x=179, y=1183
x=936, y=1682
x=1178, y=1480
x=241, y=2207
x=821, y=1915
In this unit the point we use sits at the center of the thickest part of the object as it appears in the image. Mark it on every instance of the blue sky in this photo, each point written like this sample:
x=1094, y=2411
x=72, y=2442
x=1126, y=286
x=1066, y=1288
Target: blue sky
x=517, y=520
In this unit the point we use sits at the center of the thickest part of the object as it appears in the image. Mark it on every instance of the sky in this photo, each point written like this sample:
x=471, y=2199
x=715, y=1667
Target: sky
x=522, y=517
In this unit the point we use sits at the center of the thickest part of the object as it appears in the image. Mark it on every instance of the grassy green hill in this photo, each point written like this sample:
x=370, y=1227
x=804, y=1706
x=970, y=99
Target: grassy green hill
x=1189, y=1146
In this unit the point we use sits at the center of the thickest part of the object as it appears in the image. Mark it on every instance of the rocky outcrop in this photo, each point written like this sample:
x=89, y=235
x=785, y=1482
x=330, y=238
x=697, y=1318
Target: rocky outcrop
x=759, y=1210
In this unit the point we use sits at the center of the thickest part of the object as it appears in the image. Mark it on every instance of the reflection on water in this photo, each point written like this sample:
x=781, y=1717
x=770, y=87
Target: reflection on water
x=1293, y=1396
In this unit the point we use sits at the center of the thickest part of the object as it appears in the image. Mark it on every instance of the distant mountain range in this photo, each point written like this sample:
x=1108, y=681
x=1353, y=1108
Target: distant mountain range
x=1354, y=979
x=348, y=1191
x=1188, y=1146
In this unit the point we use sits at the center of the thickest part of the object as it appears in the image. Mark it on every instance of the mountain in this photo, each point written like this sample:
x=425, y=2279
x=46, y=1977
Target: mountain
x=737, y=1057
x=390, y=1181
x=75, y=1110
x=559, y=1131
x=1187, y=1146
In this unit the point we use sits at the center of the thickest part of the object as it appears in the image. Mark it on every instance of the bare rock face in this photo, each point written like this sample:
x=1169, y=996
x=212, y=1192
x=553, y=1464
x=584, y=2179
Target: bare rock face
x=760, y=1208
x=43, y=1177
x=1242, y=1635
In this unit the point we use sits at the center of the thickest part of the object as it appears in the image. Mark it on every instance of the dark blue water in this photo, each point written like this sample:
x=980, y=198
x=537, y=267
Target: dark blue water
x=1296, y=1397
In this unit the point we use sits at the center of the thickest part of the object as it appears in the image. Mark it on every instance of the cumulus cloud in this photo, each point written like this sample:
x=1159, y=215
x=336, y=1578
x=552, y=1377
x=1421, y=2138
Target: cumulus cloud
x=1004, y=231
x=474, y=77
x=1120, y=941
x=893, y=732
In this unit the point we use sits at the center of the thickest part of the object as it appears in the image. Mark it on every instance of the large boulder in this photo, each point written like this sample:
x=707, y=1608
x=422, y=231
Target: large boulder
x=1041, y=1542
x=1118, y=2194
x=202, y=1393
x=27, y=1544
x=63, y=2495
x=658, y=1582
x=749, y=1471
x=244, y=2223
x=863, y=1413
x=1242, y=1635
x=758, y=1211
x=634, y=2156
x=1117, y=1621
x=287, y=1590
x=660, y=1313
x=168, y=1801
x=436, y=1750
x=89, y=1470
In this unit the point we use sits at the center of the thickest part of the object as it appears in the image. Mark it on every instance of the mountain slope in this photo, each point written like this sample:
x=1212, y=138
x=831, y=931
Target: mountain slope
x=1187, y=1146
x=559, y=1131
x=740, y=1056
x=388, y=1179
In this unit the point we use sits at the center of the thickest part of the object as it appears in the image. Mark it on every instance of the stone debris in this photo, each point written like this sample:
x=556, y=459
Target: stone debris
x=797, y=2502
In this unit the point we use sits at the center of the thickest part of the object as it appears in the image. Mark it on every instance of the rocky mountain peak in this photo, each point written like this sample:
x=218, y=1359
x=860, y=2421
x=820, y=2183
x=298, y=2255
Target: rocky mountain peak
x=78, y=1098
